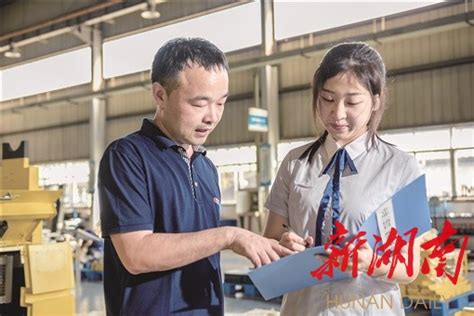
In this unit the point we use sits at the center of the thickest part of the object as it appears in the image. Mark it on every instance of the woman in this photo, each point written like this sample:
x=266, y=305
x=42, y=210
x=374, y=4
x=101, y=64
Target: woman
x=310, y=191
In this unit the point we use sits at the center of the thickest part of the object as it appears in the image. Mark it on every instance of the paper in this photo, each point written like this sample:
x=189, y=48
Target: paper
x=385, y=219
x=410, y=209
x=291, y=273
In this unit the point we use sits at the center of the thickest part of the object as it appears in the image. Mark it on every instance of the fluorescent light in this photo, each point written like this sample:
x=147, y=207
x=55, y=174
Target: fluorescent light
x=151, y=13
x=13, y=52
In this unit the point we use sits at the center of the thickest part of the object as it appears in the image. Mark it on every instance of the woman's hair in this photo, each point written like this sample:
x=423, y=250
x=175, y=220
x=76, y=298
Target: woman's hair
x=362, y=61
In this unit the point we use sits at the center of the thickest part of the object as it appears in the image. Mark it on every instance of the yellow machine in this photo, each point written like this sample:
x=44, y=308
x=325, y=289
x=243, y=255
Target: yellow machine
x=36, y=278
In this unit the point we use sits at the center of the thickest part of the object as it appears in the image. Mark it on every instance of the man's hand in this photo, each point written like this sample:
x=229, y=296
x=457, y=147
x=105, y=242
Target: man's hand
x=258, y=249
x=294, y=242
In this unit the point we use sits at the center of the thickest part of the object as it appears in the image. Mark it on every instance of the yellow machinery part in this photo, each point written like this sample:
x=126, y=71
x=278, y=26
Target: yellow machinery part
x=24, y=213
x=18, y=175
x=48, y=268
x=429, y=286
x=49, y=280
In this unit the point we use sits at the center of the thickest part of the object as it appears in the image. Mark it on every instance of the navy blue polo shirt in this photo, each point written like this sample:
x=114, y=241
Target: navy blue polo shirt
x=146, y=184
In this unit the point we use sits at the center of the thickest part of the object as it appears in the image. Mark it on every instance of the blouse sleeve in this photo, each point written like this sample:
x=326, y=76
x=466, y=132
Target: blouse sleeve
x=411, y=172
x=277, y=200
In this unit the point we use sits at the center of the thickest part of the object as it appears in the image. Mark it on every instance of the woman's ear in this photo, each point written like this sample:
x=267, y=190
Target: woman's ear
x=376, y=105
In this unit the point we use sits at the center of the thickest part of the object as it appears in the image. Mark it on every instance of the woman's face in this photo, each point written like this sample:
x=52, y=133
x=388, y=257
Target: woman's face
x=345, y=107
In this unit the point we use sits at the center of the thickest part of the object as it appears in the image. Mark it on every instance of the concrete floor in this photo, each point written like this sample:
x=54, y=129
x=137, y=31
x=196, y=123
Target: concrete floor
x=90, y=300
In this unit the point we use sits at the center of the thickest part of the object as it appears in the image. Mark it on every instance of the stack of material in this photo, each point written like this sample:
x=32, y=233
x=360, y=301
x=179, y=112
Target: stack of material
x=97, y=265
x=466, y=311
x=429, y=286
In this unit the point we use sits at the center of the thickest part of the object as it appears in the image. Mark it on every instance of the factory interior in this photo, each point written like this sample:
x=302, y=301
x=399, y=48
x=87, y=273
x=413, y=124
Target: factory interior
x=75, y=76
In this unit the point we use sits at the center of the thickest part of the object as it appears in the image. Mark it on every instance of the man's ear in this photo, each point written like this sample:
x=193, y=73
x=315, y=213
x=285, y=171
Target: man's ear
x=159, y=94
x=376, y=102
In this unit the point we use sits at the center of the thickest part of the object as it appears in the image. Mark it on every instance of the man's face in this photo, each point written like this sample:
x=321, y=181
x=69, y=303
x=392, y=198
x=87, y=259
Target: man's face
x=191, y=111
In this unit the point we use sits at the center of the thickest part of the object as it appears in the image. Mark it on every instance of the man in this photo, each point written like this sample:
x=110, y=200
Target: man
x=160, y=199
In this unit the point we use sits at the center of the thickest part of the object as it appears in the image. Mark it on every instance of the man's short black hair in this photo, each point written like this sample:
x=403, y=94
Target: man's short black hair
x=179, y=53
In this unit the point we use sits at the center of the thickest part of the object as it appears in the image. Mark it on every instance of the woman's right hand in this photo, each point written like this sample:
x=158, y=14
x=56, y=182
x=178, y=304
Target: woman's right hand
x=294, y=242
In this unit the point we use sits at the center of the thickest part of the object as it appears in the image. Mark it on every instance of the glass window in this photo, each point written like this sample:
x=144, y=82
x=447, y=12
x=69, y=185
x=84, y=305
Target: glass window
x=434, y=139
x=233, y=33
x=405, y=141
x=46, y=74
x=465, y=172
x=248, y=177
x=227, y=182
x=72, y=177
x=436, y=166
x=419, y=140
x=62, y=173
x=313, y=16
x=463, y=137
x=232, y=156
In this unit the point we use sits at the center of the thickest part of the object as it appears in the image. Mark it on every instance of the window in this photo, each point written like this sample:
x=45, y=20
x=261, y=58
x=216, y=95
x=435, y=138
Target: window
x=465, y=173
x=432, y=149
x=420, y=140
x=463, y=137
x=248, y=177
x=227, y=183
x=237, y=169
x=313, y=16
x=72, y=177
x=437, y=167
x=47, y=74
x=231, y=156
x=233, y=178
x=138, y=49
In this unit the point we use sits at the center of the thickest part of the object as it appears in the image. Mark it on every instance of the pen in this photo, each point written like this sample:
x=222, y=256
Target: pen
x=290, y=230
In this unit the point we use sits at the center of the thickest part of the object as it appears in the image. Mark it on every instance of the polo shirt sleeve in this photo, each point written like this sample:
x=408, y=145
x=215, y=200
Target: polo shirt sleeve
x=124, y=205
x=277, y=201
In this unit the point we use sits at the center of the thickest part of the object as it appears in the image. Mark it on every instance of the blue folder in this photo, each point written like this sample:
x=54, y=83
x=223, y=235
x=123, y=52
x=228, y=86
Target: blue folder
x=410, y=207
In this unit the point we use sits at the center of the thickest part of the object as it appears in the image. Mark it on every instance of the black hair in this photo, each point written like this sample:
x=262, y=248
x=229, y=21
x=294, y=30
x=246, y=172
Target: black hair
x=177, y=54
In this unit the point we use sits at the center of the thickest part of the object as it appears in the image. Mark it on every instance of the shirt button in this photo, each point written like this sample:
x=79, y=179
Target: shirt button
x=195, y=184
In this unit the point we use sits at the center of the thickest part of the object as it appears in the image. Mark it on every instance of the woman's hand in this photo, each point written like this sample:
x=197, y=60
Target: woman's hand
x=294, y=242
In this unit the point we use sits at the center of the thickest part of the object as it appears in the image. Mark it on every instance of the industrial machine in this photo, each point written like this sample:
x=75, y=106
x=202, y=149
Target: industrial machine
x=36, y=278
x=448, y=298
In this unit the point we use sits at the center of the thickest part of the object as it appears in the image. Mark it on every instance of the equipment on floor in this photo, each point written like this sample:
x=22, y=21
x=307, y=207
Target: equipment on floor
x=439, y=291
x=37, y=279
x=238, y=281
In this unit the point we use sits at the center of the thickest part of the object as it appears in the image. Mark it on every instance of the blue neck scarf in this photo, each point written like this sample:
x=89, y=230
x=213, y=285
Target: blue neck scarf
x=339, y=161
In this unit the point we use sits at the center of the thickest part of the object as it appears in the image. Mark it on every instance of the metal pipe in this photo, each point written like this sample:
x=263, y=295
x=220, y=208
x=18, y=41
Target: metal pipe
x=89, y=22
x=61, y=19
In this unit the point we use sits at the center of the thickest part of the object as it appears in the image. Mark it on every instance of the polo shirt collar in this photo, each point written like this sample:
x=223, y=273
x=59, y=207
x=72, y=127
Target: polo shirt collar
x=152, y=131
x=354, y=148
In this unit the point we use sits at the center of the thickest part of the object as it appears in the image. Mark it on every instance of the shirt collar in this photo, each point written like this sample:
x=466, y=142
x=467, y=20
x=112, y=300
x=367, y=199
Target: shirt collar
x=354, y=148
x=152, y=131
